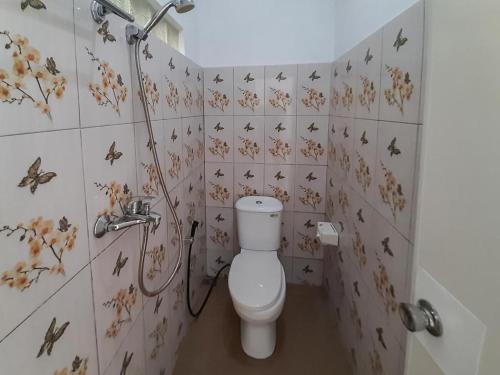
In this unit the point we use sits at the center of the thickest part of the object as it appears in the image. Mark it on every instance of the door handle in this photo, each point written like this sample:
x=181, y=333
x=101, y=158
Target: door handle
x=421, y=317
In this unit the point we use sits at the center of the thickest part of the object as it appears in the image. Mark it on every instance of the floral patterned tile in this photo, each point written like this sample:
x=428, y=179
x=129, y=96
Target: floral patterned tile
x=189, y=143
x=279, y=182
x=174, y=164
x=248, y=180
x=347, y=72
x=117, y=298
x=306, y=244
x=43, y=244
x=394, y=176
x=310, y=188
x=402, y=66
x=56, y=340
x=307, y=271
x=151, y=65
x=219, y=184
x=249, y=90
x=362, y=172
x=368, y=60
x=280, y=139
x=217, y=258
x=191, y=93
x=174, y=100
x=37, y=79
x=336, y=89
x=198, y=80
x=219, y=138
x=104, y=75
x=219, y=91
x=249, y=139
x=148, y=180
x=109, y=181
x=130, y=357
x=220, y=228
x=343, y=147
x=281, y=90
x=287, y=234
x=199, y=140
x=313, y=89
x=312, y=132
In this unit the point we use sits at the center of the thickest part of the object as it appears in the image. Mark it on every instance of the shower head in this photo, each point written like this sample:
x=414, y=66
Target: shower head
x=181, y=6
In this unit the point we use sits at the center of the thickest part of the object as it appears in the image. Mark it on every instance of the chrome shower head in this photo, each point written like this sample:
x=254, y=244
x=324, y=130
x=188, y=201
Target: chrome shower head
x=181, y=6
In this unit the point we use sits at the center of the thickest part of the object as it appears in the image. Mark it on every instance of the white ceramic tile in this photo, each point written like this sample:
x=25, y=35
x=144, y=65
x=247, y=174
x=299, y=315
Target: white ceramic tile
x=279, y=182
x=310, y=188
x=109, y=185
x=24, y=32
x=281, y=90
x=104, y=76
x=43, y=236
x=219, y=138
x=220, y=228
x=25, y=351
x=249, y=90
x=311, y=146
x=280, y=139
x=218, y=91
x=402, y=66
x=219, y=184
x=249, y=139
x=306, y=245
x=313, y=89
x=248, y=180
x=307, y=271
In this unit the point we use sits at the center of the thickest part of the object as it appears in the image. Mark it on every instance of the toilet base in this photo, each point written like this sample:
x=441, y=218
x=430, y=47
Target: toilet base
x=258, y=340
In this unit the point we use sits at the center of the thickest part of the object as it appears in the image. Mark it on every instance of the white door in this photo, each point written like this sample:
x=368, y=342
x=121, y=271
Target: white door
x=458, y=226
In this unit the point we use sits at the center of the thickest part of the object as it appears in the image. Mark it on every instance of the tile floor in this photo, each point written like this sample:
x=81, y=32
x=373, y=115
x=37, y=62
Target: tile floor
x=305, y=345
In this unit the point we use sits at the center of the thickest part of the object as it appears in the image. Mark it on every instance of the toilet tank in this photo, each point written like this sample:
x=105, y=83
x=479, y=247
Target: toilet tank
x=259, y=223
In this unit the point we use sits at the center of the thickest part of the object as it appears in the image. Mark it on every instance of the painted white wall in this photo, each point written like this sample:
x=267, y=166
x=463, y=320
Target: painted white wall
x=357, y=19
x=258, y=32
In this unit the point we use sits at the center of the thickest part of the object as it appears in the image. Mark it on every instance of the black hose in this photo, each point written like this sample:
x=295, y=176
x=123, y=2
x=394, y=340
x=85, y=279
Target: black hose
x=214, y=281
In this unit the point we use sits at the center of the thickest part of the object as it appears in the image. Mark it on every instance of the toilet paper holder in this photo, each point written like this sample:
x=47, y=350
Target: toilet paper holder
x=327, y=233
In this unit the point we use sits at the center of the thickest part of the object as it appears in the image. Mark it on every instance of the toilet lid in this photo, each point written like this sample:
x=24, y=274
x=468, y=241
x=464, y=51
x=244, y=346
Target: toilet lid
x=255, y=279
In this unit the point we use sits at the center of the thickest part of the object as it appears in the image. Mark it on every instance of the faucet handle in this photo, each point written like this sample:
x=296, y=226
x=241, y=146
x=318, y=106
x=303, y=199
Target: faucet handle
x=137, y=204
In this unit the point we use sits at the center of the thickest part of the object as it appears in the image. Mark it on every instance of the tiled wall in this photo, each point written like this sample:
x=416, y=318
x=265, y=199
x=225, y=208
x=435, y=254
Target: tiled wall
x=266, y=131
x=73, y=145
x=372, y=153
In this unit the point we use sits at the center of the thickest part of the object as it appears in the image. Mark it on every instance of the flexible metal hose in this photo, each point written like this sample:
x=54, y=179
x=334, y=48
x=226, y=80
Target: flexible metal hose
x=178, y=228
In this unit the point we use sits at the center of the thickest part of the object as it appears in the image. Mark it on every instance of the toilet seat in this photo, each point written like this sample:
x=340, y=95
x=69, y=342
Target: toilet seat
x=255, y=280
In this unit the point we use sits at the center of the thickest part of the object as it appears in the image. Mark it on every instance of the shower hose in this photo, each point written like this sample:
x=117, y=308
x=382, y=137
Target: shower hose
x=178, y=229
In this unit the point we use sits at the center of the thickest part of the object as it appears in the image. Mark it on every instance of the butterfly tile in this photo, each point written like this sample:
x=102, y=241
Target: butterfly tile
x=198, y=75
x=343, y=147
x=281, y=90
x=394, y=176
x=151, y=66
x=402, y=66
x=43, y=201
x=174, y=163
x=104, y=76
x=189, y=144
x=248, y=180
x=313, y=89
x=249, y=139
x=191, y=98
x=336, y=89
x=109, y=184
x=219, y=138
x=307, y=271
x=217, y=259
x=28, y=108
x=173, y=237
x=174, y=98
x=368, y=62
x=249, y=90
x=148, y=179
x=330, y=204
x=220, y=228
x=199, y=140
x=363, y=166
x=219, y=184
x=117, y=298
x=279, y=182
x=310, y=187
x=347, y=72
x=130, y=357
x=306, y=244
x=287, y=234
x=280, y=139
x=218, y=91
x=71, y=329
x=312, y=133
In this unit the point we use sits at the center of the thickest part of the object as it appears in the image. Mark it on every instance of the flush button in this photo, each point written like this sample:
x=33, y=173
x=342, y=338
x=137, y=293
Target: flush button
x=258, y=202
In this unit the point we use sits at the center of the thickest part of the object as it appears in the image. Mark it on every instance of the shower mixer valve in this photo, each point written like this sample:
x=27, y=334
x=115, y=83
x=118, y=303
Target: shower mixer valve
x=137, y=211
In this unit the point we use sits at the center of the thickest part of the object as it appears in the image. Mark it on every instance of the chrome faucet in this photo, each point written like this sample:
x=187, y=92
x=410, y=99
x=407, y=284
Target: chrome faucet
x=136, y=212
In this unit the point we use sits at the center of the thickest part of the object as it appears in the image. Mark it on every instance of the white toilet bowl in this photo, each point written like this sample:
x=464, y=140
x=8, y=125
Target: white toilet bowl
x=257, y=281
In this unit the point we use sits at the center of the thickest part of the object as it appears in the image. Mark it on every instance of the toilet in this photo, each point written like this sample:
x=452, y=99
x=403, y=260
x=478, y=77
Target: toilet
x=256, y=279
